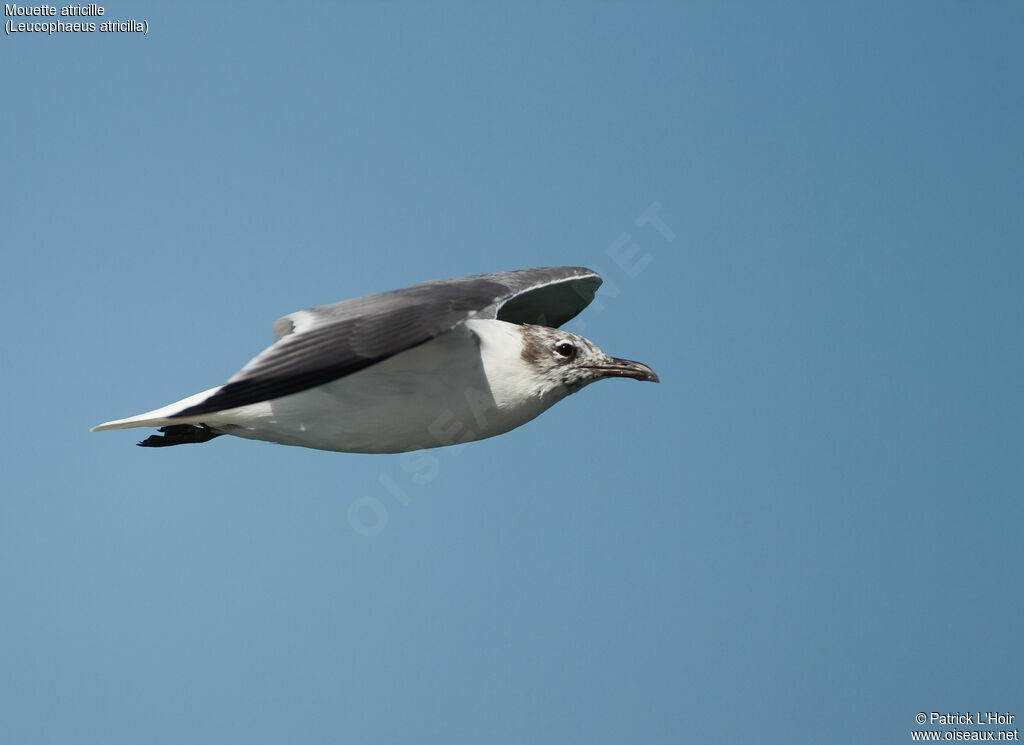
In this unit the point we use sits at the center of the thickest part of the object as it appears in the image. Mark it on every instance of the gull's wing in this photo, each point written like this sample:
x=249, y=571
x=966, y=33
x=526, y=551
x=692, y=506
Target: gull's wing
x=322, y=344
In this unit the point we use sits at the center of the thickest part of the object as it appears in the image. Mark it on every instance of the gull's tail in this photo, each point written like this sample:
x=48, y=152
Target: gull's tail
x=177, y=429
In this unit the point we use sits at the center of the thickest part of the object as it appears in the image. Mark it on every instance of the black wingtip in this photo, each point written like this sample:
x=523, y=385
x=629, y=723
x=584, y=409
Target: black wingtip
x=179, y=434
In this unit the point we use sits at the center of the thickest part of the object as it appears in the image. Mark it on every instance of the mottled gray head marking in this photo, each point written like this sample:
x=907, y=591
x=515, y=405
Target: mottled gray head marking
x=534, y=343
x=572, y=361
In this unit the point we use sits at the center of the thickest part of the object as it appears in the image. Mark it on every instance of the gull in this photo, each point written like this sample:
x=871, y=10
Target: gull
x=440, y=363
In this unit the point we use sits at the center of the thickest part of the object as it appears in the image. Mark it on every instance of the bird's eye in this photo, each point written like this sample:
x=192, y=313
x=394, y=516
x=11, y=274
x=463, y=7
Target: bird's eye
x=566, y=349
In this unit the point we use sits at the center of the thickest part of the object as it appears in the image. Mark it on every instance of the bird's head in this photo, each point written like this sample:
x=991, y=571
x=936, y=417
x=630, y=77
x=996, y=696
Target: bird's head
x=572, y=361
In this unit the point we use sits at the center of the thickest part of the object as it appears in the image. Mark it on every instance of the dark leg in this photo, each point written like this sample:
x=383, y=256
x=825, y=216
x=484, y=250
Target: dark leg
x=179, y=434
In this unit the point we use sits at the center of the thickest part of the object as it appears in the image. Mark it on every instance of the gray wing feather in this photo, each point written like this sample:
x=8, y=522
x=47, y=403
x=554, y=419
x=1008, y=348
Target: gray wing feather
x=322, y=344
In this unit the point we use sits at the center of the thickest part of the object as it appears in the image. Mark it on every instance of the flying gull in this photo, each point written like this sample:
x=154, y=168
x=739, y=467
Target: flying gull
x=439, y=363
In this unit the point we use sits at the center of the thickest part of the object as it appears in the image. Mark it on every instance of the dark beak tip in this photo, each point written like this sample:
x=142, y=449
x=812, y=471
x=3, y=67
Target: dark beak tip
x=636, y=370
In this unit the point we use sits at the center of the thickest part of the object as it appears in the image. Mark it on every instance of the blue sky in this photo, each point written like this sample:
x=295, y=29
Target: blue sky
x=809, y=532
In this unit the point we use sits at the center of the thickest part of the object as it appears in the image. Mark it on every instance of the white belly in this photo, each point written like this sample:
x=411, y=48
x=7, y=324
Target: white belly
x=432, y=395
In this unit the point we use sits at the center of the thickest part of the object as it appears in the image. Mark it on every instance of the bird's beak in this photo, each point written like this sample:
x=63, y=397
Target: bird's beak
x=616, y=368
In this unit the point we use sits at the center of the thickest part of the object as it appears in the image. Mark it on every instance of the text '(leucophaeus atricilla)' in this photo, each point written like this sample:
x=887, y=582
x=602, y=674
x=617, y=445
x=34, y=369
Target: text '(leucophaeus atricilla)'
x=438, y=363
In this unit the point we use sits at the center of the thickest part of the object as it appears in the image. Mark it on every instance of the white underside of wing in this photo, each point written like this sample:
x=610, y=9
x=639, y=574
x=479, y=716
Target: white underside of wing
x=432, y=395
x=436, y=394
